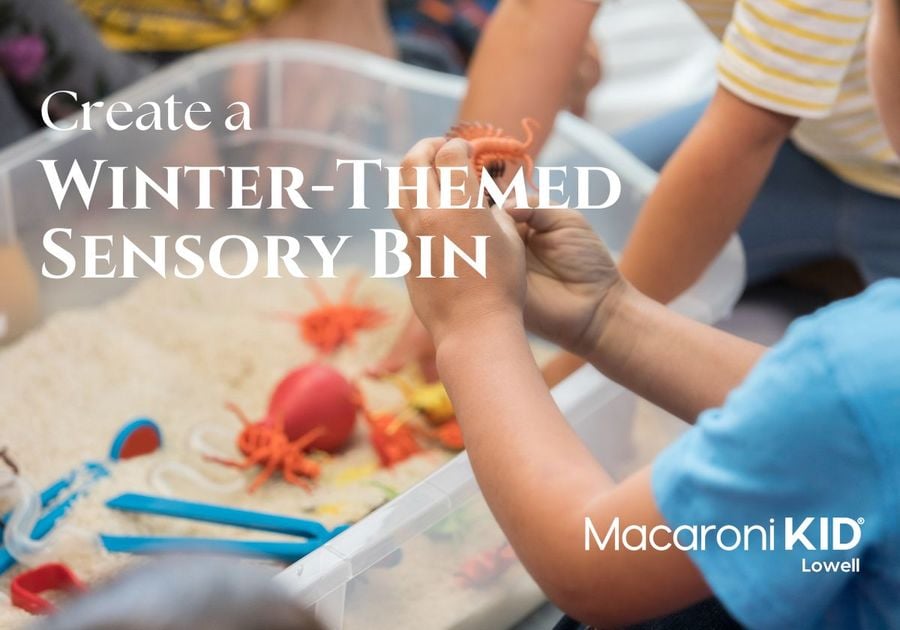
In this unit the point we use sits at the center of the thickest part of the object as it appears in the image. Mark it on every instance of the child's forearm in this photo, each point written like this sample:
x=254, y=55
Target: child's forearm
x=674, y=362
x=535, y=473
x=884, y=66
x=525, y=63
x=702, y=196
x=541, y=483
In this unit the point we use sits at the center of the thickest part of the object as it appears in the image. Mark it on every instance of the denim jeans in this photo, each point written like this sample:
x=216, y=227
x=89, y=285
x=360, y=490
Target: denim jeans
x=802, y=214
x=706, y=615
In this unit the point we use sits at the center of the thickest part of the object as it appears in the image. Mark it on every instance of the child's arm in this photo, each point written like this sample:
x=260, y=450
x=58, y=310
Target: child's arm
x=541, y=482
x=525, y=65
x=539, y=479
x=702, y=195
x=578, y=299
x=526, y=62
x=884, y=66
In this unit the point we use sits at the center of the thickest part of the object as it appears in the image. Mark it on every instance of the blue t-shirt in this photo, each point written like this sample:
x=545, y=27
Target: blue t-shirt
x=814, y=431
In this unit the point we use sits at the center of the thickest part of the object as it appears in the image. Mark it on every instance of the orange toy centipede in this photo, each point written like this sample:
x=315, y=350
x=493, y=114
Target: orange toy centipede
x=492, y=148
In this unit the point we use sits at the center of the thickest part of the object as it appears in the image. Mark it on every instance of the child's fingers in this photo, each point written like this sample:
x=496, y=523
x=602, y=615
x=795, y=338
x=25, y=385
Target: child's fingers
x=420, y=156
x=506, y=222
x=455, y=153
x=520, y=215
x=546, y=219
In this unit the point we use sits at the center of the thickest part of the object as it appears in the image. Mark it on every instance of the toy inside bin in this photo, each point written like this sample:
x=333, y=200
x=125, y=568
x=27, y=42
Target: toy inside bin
x=314, y=103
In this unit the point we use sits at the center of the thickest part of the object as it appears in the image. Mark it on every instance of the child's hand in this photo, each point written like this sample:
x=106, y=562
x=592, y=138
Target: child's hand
x=468, y=302
x=413, y=346
x=573, y=283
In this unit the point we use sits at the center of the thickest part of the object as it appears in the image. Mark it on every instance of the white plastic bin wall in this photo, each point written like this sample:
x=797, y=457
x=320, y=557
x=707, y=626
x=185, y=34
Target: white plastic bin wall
x=313, y=103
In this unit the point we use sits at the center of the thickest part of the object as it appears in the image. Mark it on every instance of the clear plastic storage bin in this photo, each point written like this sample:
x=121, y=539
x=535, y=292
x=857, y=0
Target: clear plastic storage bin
x=312, y=103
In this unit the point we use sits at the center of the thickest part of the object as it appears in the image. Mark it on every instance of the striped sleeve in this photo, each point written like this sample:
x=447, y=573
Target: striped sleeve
x=790, y=56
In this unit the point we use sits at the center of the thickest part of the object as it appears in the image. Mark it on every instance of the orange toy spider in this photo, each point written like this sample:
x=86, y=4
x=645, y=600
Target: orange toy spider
x=268, y=446
x=492, y=148
x=333, y=325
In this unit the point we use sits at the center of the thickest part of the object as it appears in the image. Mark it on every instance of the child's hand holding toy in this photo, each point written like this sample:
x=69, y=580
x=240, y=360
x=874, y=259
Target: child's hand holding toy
x=450, y=307
x=573, y=284
x=575, y=295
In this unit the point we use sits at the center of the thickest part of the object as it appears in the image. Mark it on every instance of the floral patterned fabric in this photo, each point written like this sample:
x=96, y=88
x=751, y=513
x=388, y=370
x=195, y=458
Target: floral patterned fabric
x=45, y=46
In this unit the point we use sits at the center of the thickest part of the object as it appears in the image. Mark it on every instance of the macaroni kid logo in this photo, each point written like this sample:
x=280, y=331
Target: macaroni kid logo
x=814, y=534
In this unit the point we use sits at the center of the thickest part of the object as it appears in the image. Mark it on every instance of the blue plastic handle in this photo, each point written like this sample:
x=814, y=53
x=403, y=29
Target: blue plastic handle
x=49, y=518
x=209, y=513
x=47, y=495
x=287, y=552
x=51, y=492
x=94, y=470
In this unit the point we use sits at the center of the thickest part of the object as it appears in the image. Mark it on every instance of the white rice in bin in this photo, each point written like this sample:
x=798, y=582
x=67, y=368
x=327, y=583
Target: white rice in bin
x=176, y=351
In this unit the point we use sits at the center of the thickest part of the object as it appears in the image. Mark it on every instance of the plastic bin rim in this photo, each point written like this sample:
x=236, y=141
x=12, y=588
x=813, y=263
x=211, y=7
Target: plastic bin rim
x=387, y=70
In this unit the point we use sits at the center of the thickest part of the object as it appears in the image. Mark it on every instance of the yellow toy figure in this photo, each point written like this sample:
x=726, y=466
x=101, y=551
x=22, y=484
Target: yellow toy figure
x=430, y=402
x=428, y=399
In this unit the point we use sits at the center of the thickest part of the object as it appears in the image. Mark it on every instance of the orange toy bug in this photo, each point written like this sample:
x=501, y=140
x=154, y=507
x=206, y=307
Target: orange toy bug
x=268, y=446
x=430, y=400
x=449, y=434
x=393, y=440
x=485, y=567
x=492, y=148
x=335, y=324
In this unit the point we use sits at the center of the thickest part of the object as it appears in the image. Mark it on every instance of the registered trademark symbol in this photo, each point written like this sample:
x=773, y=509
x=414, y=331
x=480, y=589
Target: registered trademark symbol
x=860, y=520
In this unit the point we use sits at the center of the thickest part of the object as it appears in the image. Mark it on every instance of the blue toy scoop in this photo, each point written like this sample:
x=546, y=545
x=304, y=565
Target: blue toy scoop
x=287, y=552
x=314, y=533
x=219, y=514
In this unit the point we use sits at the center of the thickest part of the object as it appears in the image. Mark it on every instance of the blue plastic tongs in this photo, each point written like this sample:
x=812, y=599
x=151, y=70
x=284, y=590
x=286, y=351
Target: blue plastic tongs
x=136, y=438
x=314, y=534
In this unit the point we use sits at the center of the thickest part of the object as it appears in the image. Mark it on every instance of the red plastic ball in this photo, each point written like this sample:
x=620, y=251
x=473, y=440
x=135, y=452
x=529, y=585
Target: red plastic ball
x=315, y=395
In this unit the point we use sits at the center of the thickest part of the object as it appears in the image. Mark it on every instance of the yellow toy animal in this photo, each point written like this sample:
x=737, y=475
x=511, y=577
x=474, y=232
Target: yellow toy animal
x=429, y=399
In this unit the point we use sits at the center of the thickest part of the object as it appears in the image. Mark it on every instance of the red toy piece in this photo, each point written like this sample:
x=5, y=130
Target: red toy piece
x=391, y=438
x=26, y=588
x=310, y=397
x=139, y=437
x=332, y=325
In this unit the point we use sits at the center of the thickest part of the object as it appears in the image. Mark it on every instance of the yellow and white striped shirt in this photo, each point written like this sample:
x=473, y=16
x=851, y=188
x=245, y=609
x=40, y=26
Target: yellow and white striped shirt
x=807, y=58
